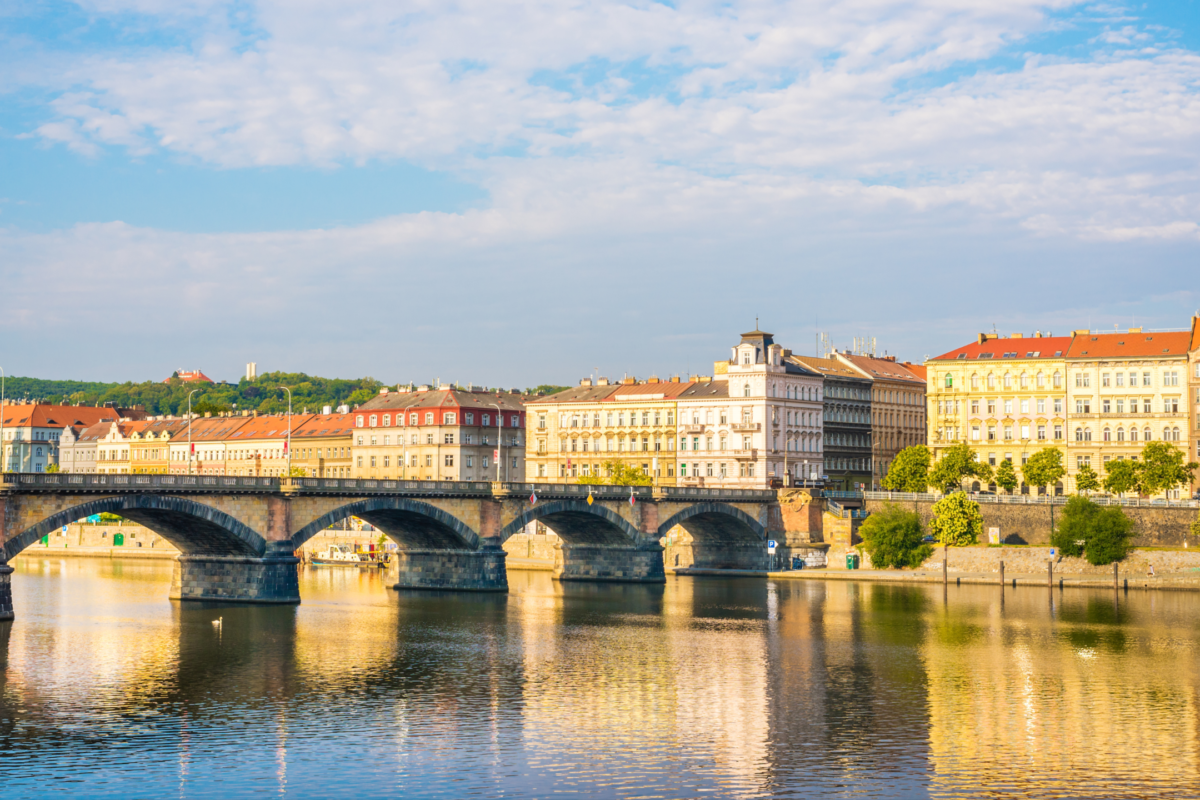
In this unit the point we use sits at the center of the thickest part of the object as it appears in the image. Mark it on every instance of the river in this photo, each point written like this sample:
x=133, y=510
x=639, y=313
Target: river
x=703, y=687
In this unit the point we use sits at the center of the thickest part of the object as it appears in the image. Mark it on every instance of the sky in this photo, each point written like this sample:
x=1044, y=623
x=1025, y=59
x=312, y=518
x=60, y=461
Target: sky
x=515, y=193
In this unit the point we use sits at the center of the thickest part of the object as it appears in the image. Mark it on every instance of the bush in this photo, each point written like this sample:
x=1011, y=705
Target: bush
x=1101, y=535
x=1073, y=525
x=956, y=520
x=1108, y=539
x=892, y=538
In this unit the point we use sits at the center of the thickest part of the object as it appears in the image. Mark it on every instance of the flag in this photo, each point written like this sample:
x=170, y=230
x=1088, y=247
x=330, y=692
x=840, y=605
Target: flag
x=631, y=500
x=590, y=500
x=533, y=499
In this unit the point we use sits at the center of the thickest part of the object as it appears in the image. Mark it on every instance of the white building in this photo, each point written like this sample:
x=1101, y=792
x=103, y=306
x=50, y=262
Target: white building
x=759, y=419
x=31, y=434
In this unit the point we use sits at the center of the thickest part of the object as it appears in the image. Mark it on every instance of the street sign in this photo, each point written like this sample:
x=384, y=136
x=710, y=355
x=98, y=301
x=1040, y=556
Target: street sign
x=496, y=456
x=993, y=535
x=771, y=545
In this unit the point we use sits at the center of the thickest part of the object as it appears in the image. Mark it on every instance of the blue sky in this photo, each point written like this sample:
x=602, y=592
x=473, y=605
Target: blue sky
x=516, y=193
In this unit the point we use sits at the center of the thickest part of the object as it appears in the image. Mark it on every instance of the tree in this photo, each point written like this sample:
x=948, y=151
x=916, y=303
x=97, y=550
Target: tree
x=1044, y=468
x=617, y=473
x=54, y=468
x=1070, y=534
x=956, y=520
x=1196, y=527
x=1086, y=480
x=1163, y=468
x=956, y=464
x=296, y=472
x=892, y=538
x=1102, y=535
x=909, y=471
x=1006, y=476
x=1109, y=537
x=1122, y=476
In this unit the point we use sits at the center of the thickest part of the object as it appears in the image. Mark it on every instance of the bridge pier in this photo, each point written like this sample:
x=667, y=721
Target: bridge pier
x=6, y=604
x=605, y=562
x=236, y=579
x=462, y=570
x=717, y=555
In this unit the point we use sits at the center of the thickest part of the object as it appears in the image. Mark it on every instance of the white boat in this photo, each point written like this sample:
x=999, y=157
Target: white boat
x=343, y=555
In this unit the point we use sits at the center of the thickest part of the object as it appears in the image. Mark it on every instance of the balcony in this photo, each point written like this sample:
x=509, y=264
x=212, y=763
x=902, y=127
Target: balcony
x=744, y=454
x=746, y=427
x=693, y=429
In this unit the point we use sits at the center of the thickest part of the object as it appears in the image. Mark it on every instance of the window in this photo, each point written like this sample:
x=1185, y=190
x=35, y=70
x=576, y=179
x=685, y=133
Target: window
x=991, y=433
x=1171, y=405
x=1057, y=381
x=1024, y=406
x=372, y=461
x=1104, y=380
x=949, y=381
x=1120, y=405
x=1170, y=379
x=746, y=390
x=1145, y=406
x=1106, y=406
x=1008, y=432
x=1106, y=435
x=428, y=417
x=1146, y=379
x=991, y=381
x=1082, y=461
x=374, y=420
x=1007, y=381
x=448, y=438
x=1041, y=433
x=1024, y=431
x=1058, y=405
x=1120, y=434
x=1058, y=432
x=974, y=406
x=429, y=461
x=1008, y=406
x=360, y=461
x=449, y=460
x=359, y=421
x=1083, y=406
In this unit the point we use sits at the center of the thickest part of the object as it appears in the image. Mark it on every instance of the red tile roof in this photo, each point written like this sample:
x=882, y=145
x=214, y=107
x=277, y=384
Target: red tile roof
x=1195, y=334
x=326, y=425
x=1025, y=348
x=46, y=416
x=190, y=377
x=882, y=368
x=273, y=426
x=1130, y=345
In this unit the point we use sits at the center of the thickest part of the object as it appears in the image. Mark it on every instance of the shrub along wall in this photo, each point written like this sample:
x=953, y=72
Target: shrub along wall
x=1031, y=524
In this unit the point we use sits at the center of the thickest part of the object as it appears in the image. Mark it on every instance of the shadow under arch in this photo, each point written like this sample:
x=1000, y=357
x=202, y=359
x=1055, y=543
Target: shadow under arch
x=717, y=522
x=193, y=528
x=410, y=523
x=577, y=523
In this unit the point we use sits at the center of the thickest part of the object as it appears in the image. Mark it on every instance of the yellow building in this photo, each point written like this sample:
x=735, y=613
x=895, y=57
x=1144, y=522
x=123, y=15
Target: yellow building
x=1125, y=389
x=1005, y=397
x=321, y=447
x=573, y=433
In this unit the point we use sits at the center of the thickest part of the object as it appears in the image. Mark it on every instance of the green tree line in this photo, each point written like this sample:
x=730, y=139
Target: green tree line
x=262, y=395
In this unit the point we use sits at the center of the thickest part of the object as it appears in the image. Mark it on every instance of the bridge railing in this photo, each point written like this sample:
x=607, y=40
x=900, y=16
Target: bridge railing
x=67, y=482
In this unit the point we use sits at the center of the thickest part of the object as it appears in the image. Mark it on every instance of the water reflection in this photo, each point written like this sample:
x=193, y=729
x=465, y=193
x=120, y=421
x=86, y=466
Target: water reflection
x=702, y=686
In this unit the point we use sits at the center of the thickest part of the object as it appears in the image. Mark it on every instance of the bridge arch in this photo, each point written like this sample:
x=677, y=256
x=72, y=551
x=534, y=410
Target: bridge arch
x=193, y=528
x=410, y=523
x=577, y=523
x=717, y=522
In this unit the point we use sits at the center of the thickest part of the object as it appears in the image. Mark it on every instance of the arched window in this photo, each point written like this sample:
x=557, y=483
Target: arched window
x=974, y=381
x=991, y=381
x=1146, y=435
x=1133, y=434
x=1057, y=380
x=1041, y=380
x=1024, y=381
x=1007, y=381
x=359, y=421
x=949, y=381
x=746, y=390
x=374, y=420
x=1107, y=435
x=1120, y=434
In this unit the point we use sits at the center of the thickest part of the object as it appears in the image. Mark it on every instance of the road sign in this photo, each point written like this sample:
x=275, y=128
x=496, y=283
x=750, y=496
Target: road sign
x=771, y=545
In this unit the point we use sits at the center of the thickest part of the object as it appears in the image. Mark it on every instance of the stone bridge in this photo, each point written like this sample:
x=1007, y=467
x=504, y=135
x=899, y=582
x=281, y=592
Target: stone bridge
x=237, y=536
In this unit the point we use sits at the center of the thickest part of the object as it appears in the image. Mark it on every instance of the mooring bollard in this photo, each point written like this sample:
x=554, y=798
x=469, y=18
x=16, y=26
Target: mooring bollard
x=945, y=564
x=1115, y=581
x=1001, y=574
x=1050, y=573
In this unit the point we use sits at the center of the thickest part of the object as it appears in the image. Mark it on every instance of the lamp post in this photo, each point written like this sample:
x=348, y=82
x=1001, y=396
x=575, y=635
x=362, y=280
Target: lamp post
x=499, y=439
x=288, y=446
x=3, y=456
x=190, y=452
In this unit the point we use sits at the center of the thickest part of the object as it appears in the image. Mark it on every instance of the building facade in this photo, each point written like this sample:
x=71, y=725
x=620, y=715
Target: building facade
x=322, y=446
x=1125, y=389
x=1194, y=382
x=574, y=434
x=31, y=433
x=776, y=414
x=846, y=432
x=443, y=434
x=897, y=408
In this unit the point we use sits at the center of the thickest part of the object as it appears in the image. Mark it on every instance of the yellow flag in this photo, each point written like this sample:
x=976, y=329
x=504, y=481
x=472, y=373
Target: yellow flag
x=589, y=497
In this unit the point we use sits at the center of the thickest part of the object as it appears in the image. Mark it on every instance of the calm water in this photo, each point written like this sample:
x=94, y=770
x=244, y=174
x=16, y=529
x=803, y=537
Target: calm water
x=704, y=687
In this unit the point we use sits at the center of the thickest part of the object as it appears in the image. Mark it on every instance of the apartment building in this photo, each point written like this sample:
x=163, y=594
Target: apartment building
x=322, y=446
x=1006, y=397
x=846, y=429
x=31, y=433
x=440, y=434
x=897, y=408
x=200, y=448
x=573, y=433
x=150, y=445
x=1125, y=389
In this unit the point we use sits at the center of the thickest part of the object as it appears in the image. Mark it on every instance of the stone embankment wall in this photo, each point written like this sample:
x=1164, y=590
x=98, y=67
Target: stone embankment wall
x=1031, y=524
x=526, y=550
x=1032, y=561
x=98, y=540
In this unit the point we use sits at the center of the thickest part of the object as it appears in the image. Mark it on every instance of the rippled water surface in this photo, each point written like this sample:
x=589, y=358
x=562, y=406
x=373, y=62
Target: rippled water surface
x=704, y=687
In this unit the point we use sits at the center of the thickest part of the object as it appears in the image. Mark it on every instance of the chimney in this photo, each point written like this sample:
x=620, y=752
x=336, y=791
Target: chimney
x=602, y=382
x=585, y=382
x=983, y=337
x=1080, y=332
x=629, y=381
x=1017, y=336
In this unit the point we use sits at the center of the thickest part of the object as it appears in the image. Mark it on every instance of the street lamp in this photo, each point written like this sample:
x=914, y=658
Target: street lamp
x=190, y=451
x=499, y=439
x=288, y=446
x=3, y=457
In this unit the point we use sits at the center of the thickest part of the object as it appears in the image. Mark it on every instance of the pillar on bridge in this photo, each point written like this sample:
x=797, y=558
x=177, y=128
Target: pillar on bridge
x=464, y=570
x=6, y=603
x=609, y=562
x=273, y=578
